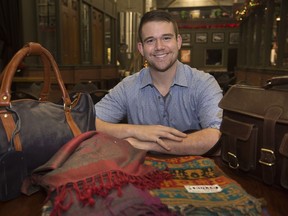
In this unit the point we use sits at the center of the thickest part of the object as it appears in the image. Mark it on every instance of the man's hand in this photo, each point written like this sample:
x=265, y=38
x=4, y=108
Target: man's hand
x=196, y=143
x=162, y=139
x=148, y=145
x=156, y=133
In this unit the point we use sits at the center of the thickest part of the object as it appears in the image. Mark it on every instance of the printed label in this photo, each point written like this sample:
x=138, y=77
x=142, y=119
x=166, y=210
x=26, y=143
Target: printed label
x=203, y=188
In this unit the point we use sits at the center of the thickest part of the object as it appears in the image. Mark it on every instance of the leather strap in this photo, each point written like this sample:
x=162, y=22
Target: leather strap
x=284, y=164
x=73, y=126
x=276, y=81
x=232, y=153
x=9, y=126
x=267, y=157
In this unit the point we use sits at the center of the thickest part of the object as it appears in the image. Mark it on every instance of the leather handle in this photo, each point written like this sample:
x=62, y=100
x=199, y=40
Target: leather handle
x=47, y=80
x=43, y=96
x=276, y=81
x=32, y=49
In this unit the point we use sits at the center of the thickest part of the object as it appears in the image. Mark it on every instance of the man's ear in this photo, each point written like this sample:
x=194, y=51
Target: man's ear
x=140, y=48
x=179, y=41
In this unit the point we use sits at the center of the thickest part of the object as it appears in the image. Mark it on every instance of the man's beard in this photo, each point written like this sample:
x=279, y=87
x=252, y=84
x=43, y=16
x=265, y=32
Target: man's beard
x=155, y=67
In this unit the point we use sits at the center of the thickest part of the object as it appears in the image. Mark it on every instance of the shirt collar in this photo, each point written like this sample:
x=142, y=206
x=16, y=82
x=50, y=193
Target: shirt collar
x=147, y=79
x=180, y=78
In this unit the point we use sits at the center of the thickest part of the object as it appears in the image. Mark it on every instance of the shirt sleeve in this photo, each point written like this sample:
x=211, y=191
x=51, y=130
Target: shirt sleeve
x=112, y=107
x=210, y=94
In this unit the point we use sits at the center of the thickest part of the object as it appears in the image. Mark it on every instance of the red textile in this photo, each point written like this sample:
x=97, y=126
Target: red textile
x=91, y=165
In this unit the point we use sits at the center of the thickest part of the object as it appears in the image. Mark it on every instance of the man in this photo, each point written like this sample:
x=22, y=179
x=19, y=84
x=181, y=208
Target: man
x=166, y=99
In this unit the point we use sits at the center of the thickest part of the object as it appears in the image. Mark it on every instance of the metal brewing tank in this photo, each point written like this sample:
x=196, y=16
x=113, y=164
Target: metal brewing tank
x=128, y=34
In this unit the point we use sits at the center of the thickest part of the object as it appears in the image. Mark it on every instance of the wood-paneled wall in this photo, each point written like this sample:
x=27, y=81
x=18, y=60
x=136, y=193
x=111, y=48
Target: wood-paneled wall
x=97, y=38
x=69, y=24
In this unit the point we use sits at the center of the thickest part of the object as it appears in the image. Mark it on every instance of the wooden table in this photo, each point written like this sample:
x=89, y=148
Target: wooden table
x=277, y=199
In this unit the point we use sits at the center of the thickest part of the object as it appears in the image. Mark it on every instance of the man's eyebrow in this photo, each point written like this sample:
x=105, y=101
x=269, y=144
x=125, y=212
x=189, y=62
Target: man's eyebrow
x=145, y=39
x=164, y=35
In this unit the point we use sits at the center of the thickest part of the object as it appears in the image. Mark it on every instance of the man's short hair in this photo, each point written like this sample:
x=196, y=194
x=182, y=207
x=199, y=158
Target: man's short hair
x=157, y=15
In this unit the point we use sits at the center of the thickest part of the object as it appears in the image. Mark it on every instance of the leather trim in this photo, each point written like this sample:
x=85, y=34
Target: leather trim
x=9, y=126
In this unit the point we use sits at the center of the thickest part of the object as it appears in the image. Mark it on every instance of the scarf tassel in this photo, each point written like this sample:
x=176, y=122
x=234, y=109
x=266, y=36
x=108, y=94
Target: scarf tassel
x=101, y=185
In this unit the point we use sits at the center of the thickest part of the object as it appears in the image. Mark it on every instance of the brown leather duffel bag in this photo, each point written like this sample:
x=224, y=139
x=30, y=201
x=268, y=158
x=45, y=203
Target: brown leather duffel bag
x=255, y=130
x=31, y=130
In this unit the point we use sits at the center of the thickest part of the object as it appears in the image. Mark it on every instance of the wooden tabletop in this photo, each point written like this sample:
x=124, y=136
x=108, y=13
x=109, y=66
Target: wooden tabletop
x=276, y=198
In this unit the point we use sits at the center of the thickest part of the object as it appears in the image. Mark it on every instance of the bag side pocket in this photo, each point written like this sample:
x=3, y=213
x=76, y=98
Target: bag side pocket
x=13, y=170
x=239, y=144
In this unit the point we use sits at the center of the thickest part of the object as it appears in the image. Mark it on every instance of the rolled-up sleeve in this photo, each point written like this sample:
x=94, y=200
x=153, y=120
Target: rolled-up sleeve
x=112, y=108
x=210, y=94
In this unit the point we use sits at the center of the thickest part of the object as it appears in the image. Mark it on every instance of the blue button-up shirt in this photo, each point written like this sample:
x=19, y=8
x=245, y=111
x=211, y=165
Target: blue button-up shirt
x=191, y=104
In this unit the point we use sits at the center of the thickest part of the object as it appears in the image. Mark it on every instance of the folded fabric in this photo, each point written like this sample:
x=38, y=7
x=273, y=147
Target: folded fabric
x=91, y=166
x=202, y=171
x=133, y=202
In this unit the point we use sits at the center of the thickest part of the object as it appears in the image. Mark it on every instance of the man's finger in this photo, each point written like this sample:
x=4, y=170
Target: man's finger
x=162, y=144
x=179, y=134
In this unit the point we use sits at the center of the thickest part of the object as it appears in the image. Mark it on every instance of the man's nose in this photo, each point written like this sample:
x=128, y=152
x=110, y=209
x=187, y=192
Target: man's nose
x=159, y=44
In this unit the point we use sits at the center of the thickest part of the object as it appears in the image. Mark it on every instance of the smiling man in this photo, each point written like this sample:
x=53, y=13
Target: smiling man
x=165, y=100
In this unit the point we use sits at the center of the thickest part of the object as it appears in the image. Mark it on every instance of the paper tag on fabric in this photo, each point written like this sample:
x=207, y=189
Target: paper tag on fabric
x=203, y=188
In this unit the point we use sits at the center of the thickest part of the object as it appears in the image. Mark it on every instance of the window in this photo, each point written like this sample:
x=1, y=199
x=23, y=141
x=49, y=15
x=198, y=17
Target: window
x=46, y=19
x=109, y=39
x=274, y=36
x=213, y=57
x=185, y=55
x=86, y=33
x=285, y=52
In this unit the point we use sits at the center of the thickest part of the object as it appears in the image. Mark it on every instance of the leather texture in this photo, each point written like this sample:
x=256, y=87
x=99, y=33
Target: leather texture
x=255, y=129
x=32, y=130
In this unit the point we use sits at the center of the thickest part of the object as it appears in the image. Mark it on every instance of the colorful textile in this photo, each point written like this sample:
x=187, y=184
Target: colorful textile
x=197, y=170
x=133, y=202
x=96, y=174
x=93, y=166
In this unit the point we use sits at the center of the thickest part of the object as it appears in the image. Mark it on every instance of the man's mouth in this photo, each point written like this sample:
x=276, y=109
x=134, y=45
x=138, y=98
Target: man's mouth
x=160, y=55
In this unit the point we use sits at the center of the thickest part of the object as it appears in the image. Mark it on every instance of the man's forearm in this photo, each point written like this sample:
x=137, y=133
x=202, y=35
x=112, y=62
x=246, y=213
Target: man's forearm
x=154, y=133
x=118, y=130
x=197, y=143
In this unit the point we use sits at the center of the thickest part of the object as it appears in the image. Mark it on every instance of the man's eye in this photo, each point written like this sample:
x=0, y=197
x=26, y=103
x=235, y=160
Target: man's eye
x=150, y=41
x=167, y=38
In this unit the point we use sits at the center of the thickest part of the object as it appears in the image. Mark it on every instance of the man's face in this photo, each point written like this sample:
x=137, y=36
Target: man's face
x=160, y=46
